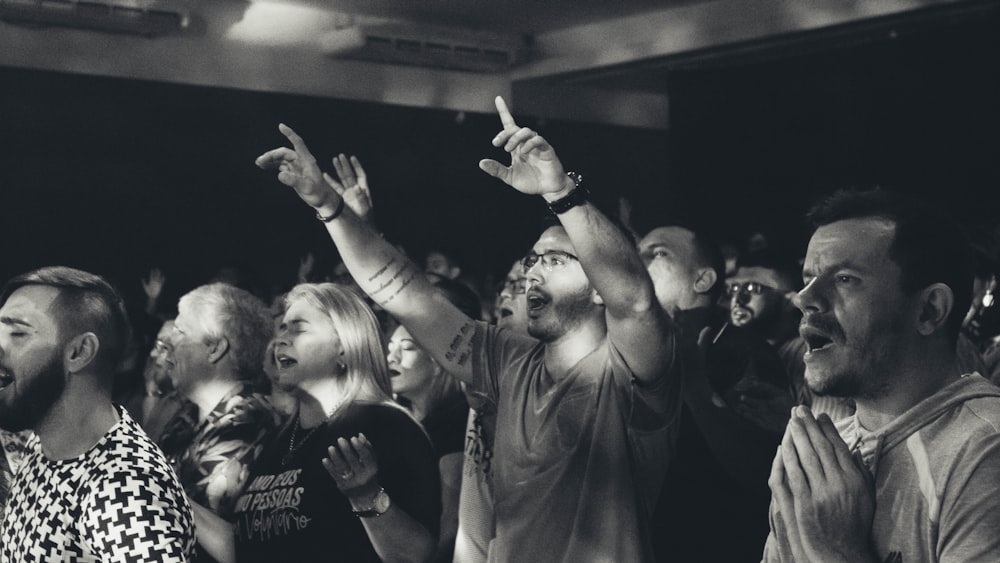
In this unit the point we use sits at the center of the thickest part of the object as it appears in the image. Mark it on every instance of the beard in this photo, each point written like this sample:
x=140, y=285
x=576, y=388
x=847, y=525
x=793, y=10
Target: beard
x=563, y=315
x=34, y=395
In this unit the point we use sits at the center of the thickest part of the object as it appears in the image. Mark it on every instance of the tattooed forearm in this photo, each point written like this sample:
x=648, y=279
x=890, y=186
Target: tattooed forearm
x=399, y=290
x=461, y=346
x=382, y=269
x=389, y=281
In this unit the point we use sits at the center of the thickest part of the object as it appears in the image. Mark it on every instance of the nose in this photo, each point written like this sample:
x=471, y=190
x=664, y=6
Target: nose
x=809, y=299
x=392, y=354
x=742, y=296
x=533, y=274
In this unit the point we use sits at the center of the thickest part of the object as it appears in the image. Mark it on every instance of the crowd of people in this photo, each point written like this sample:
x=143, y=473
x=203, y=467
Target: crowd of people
x=620, y=397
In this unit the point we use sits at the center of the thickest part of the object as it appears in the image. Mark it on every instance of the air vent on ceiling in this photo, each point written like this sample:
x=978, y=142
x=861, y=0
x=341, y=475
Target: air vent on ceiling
x=436, y=47
x=149, y=18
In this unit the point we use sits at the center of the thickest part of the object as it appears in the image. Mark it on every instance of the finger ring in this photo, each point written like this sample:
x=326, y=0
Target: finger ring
x=346, y=475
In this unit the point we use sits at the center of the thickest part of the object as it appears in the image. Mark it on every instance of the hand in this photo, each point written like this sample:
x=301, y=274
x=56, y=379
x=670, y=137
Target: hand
x=298, y=169
x=352, y=465
x=306, y=265
x=825, y=497
x=353, y=185
x=152, y=285
x=534, y=167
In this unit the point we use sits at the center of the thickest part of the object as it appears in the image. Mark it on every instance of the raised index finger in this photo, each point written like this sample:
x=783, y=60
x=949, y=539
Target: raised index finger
x=297, y=142
x=505, y=117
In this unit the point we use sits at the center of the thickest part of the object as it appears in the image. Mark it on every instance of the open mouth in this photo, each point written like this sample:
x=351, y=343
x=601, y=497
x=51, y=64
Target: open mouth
x=5, y=379
x=505, y=312
x=740, y=315
x=394, y=372
x=536, y=302
x=285, y=362
x=816, y=341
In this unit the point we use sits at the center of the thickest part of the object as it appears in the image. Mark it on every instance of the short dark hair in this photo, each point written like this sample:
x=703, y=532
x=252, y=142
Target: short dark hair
x=707, y=254
x=86, y=303
x=929, y=247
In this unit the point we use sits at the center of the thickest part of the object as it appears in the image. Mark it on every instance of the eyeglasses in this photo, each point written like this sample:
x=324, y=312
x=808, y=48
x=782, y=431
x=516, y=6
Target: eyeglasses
x=756, y=288
x=551, y=260
x=513, y=286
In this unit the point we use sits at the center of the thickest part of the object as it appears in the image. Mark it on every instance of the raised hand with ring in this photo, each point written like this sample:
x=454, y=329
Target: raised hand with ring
x=352, y=465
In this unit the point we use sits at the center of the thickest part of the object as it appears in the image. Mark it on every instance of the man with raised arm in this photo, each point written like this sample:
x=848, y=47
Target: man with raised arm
x=586, y=413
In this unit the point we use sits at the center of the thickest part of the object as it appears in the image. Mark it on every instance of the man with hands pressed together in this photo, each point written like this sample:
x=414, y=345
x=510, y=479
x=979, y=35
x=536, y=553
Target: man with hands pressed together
x=914, y=474
x=585, y=413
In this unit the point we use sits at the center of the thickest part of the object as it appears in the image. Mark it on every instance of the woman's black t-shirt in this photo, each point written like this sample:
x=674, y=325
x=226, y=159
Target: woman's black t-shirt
x=292, y=510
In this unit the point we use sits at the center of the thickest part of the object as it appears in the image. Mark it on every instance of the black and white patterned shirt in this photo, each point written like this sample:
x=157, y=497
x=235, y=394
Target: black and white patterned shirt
x=119, y=501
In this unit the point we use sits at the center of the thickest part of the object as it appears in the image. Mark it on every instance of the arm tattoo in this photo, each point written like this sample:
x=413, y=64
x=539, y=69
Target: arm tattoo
x=461, y=345
x=394, y=277
x=402, y=286
x=382, y=269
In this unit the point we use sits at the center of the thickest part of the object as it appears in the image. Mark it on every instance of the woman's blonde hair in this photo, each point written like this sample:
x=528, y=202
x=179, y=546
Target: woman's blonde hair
x=366, y=372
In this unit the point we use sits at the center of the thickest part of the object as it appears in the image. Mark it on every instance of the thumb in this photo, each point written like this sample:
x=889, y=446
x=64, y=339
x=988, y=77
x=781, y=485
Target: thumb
x=333, y=184
x=495, y=169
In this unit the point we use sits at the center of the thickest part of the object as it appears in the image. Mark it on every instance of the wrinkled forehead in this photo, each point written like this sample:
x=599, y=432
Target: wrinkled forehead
x=553, y=238
x=851, y=242
x=165, y=330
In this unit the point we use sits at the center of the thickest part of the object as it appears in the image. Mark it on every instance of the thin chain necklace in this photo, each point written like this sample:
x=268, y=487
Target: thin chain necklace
x=292, y=446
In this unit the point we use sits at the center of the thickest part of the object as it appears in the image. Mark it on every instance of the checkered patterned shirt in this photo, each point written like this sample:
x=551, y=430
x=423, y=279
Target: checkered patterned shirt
x=119, y=501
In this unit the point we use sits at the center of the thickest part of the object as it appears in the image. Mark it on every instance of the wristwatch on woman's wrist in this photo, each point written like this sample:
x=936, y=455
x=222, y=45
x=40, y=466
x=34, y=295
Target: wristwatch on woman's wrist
x=379, y=506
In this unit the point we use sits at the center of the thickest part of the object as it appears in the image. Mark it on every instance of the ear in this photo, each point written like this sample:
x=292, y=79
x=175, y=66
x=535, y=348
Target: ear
x=80, y=352
x=705, y=281
x=217, y=350
x=936, y=302
x=596, y=297
x=454, y=272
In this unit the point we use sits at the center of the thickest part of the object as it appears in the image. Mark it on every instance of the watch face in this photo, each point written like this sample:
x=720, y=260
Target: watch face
x=382, y=502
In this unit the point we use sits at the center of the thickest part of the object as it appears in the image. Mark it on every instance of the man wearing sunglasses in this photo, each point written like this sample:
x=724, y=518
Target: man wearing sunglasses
x=735, y=405
x=586, y=407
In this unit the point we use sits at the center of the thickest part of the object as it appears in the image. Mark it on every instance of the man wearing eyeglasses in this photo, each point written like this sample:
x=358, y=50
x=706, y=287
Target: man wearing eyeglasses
x=586, y=407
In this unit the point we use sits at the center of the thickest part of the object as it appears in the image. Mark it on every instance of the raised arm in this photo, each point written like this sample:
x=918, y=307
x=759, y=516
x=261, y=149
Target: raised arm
x=381, y=270
x=637, y=326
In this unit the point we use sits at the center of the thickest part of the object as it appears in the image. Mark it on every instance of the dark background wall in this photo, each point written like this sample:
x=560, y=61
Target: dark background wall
x=118, y=176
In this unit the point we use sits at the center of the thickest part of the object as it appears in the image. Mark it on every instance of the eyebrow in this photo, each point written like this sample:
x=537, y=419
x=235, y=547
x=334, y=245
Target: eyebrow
x=13, y=321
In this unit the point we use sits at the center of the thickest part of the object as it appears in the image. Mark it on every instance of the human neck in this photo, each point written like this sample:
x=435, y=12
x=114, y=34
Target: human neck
x=420, y=400
x=318, y=400
x=75, y=424
x=913, y=383
x=567, y=351
x=207, y=394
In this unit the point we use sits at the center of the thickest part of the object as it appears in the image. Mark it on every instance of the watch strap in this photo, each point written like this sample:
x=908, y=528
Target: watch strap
x=578, y=196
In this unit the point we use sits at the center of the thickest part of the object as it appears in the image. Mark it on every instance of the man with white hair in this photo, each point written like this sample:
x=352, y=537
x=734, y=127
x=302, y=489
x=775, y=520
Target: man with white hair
x=216, y=356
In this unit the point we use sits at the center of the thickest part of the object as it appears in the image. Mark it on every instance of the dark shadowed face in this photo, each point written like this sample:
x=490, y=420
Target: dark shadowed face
x=31, y=365
x=559, y=296
x=756, y=296
x=854, y=311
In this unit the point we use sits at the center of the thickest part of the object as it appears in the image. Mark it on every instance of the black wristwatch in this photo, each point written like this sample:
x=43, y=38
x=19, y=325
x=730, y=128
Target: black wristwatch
x=576, y=197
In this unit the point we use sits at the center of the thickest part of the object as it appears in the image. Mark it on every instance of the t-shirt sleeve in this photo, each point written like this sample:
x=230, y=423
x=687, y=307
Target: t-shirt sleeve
x=970, y=519
x=134, y=516
x=493, y=350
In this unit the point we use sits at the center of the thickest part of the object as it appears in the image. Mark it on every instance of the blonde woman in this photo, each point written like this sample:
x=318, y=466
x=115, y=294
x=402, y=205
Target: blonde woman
x=354, y=477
